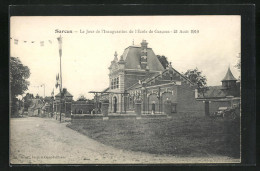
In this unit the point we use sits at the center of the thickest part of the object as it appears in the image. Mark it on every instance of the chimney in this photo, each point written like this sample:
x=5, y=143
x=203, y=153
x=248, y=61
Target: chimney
x=144, y=44
x=143, y=59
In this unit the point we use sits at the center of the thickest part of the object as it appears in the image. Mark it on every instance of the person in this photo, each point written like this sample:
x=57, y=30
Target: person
x=153, y=108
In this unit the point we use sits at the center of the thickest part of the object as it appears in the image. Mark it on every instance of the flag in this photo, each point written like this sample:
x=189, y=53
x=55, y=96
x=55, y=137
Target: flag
x=42, y=43
x=60, y=45
x=50, y=41
x=57, y=81
x=58, y=77
x=15, y=41
x=52, y=93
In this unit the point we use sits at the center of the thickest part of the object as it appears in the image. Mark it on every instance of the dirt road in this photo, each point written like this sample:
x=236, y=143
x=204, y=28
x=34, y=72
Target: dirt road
x=45, y=141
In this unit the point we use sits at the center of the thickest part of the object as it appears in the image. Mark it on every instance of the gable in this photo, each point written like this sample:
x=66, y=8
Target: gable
x=167, y=76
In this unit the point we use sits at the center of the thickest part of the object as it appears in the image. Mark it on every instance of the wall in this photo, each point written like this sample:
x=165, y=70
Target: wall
x=133, y=77
x=78, y=106
x=186, y=102
x=214, y=105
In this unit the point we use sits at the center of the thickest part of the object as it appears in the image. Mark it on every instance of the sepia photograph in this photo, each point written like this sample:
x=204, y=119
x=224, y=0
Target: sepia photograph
x=125, y=89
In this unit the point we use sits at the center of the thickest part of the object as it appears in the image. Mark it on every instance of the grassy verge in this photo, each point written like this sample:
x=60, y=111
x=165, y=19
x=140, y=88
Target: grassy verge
x=179, y=136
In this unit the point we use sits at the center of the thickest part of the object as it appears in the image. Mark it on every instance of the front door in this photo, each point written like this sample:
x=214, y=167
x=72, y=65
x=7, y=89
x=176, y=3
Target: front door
x=115, y=104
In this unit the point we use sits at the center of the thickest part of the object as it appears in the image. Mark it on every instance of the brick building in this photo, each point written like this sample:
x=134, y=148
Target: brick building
x=225, y=95
x=139, y=75
x=66, y=102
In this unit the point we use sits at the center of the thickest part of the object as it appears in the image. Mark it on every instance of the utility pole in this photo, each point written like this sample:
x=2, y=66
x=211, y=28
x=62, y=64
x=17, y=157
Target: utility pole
x=43, y=90
x=60, y=53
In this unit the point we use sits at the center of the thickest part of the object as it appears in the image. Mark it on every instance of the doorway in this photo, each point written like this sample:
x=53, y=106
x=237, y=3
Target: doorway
x=115, y=104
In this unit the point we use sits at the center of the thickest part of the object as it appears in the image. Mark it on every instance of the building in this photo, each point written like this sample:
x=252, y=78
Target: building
x=35, y=108
x=139, y=75
x=66, y=102
x=225, y=95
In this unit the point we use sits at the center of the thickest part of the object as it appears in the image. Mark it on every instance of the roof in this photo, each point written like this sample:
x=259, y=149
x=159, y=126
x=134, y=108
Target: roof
x=132, y=56
x=105, y=90
x=229, y=76
x=36, y=103
x=45, y=106
x=67, y=94
x=220, y=92
x=153, y=76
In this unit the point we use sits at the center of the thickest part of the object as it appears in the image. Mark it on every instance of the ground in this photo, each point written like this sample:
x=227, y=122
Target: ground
x=182, y=136
x=44, y=140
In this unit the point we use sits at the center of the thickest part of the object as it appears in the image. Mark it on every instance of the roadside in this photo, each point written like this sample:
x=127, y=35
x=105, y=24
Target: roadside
x=46, y=141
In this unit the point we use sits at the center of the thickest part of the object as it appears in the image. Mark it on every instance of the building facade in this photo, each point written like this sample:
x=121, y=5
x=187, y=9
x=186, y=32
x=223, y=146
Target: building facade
x=138, y=75
x=65, y=104
x=225, y=95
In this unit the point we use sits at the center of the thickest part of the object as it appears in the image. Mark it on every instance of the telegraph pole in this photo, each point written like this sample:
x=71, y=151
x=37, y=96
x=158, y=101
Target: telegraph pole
x=43, y=90
x=60, y=52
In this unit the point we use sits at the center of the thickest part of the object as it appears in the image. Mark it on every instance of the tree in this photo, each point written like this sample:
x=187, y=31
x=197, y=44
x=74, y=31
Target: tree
x=238, y=65
x=27, y=101
x=82, y=98
x=18, y=83
x=164, y=61
x=196, y=77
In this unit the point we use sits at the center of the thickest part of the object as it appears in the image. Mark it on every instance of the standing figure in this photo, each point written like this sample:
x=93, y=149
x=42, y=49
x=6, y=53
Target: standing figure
x=153, y=107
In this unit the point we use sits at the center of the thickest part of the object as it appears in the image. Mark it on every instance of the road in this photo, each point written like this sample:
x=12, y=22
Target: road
x=46, y=141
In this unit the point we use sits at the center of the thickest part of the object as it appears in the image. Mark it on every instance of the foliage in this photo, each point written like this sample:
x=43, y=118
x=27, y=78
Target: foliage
x=18, y=75
x=18, y=83
x=164, y=61
x=238, y=65
x=27, y=101
x=82, y=98
x=196, y=77
x=90, y=101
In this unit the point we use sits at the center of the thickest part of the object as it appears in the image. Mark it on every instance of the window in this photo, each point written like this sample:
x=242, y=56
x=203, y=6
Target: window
x=115, y=83
x=174, y=110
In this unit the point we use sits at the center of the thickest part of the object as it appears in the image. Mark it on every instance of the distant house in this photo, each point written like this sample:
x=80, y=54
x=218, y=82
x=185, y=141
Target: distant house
x=36, y=107
x=66, y=103
x=225, y=95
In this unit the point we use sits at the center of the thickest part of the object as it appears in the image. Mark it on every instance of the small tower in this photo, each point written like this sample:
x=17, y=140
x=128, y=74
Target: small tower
x=229, y=80
x=115, y=58
x=121, y=63
x=143, y=59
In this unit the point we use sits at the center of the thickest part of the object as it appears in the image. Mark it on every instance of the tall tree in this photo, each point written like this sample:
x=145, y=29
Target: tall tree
x=27, y=101
x=196, y=77
x=18, y=83
x=164, y=61
x=238, y=65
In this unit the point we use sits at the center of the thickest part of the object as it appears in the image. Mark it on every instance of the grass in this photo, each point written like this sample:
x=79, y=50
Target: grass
x=179, y=136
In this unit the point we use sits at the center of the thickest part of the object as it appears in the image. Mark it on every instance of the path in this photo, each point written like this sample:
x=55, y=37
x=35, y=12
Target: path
x=45, y=141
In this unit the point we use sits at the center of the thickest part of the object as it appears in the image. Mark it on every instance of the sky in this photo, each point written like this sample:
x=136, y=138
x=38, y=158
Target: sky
x=87, y=52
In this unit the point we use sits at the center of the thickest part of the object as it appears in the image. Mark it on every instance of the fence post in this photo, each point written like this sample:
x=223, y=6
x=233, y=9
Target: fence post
x=104, y=107
x=138, y=104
